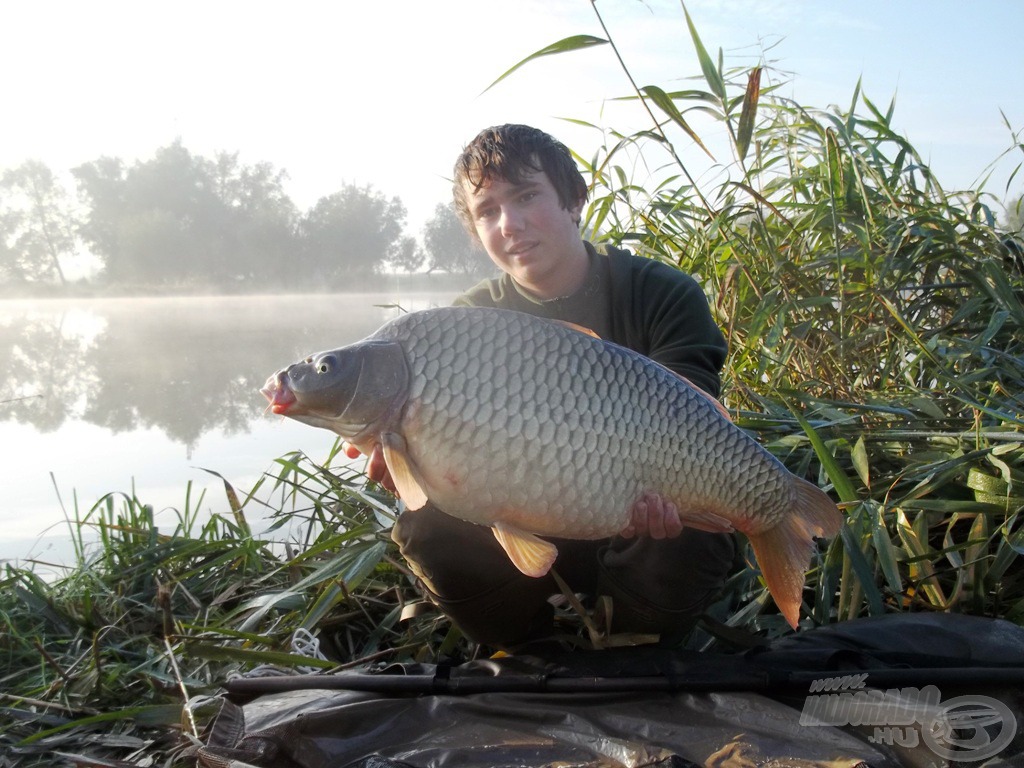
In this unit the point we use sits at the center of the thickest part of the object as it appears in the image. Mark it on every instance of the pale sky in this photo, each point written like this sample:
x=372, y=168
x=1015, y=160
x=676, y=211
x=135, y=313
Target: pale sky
x=386, y=92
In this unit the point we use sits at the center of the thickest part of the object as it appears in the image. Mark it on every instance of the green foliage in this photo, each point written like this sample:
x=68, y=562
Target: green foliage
x=875, y=324
x=101, y=659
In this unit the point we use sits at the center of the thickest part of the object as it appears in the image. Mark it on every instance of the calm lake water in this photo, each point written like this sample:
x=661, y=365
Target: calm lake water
x=116, y=395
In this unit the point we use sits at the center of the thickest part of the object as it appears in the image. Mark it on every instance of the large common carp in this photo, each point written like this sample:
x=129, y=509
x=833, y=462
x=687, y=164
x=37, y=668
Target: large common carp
x=531, y=427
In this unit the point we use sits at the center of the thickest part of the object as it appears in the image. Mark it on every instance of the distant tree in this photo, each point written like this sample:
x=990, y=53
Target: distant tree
x=352, y=233
x=1013, y=242
x=101, y=185
x=37, y=227
x=10, y=267
x=407, y=255
x=181, y=219
x=259, y=220
x=1015, y=217
x=450, y=248
x=151, y=223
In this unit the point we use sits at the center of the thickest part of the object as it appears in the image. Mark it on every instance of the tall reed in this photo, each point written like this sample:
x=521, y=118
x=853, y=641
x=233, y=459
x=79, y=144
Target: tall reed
x=875, y=324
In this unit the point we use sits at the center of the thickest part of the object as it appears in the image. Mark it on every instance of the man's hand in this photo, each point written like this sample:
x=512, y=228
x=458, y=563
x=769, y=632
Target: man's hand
x=376, y=467
x=654, y=516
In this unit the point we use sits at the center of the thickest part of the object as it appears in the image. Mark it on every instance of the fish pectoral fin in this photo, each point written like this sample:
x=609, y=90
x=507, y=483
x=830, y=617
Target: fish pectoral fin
x=703, y=520
x=529, y=553
x=403, y=471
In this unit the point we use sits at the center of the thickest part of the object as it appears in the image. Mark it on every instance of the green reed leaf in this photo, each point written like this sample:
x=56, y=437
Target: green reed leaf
x=840, y=480
x=565, y=45
x=667, y=105
x=884, y=550
x=862, y=568
x=712, y=74
x=163, y=714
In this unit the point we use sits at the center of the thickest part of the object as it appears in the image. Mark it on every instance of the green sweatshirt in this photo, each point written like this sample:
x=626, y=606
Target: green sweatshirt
x=638, y=303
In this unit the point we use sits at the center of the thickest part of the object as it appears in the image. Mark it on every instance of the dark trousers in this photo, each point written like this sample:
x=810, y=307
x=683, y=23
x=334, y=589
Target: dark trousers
x=657, y=586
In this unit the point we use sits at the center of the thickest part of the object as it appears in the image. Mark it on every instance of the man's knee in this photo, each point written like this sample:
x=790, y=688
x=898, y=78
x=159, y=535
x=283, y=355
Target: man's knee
x=662, y=587
x=469, y=577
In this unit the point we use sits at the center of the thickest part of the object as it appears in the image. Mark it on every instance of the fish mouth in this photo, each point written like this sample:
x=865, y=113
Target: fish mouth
x=279, y=395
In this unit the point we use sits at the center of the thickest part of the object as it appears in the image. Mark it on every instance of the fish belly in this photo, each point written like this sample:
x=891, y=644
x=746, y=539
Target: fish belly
x=518, y=420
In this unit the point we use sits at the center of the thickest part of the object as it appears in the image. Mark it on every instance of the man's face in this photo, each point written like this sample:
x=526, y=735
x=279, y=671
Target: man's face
x=526, y=231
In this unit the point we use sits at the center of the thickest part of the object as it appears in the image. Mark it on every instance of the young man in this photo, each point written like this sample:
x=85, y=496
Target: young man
x=520, y=194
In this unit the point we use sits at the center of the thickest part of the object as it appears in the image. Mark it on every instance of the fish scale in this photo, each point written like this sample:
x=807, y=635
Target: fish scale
x=536, y=429
x=651, y=437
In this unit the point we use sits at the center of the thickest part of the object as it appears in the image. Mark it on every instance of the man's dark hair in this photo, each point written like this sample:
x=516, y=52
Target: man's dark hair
x=511, y=152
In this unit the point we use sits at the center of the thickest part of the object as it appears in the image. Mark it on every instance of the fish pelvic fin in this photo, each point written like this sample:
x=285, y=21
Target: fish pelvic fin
x=403, y=470
x=704, y=520
x=784, y=551
x=529, y=553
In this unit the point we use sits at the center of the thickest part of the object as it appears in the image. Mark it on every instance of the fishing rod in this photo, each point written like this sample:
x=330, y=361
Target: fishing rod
x=745, y=679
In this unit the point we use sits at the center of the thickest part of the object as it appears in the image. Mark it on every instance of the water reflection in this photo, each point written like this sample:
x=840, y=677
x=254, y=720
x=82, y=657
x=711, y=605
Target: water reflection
x=183, y=366
x=42, y=370
x=138, y=397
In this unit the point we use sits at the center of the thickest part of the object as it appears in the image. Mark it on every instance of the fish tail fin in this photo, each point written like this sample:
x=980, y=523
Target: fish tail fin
x=784, y=551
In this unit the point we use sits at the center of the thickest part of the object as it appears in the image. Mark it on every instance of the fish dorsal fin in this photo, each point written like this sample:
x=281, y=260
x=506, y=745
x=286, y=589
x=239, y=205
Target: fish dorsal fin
x=403, y=471
x=530, y=554
x=581, y=328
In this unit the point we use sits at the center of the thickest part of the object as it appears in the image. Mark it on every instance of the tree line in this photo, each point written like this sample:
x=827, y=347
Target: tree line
x=180, y=220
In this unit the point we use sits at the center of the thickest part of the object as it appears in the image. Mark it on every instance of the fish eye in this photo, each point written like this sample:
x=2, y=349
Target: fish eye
x=325, y=364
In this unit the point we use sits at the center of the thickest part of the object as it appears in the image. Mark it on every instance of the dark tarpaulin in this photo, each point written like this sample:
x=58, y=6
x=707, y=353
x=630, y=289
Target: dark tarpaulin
x=648, y=706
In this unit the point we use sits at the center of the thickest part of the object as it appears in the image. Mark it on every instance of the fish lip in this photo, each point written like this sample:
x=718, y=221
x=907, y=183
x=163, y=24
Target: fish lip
x=279, y=394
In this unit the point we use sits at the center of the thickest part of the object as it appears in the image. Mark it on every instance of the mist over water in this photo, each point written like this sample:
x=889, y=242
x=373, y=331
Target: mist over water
x=140, y=395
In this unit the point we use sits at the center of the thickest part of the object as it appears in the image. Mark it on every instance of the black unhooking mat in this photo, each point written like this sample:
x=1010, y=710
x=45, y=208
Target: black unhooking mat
x=924, y=691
